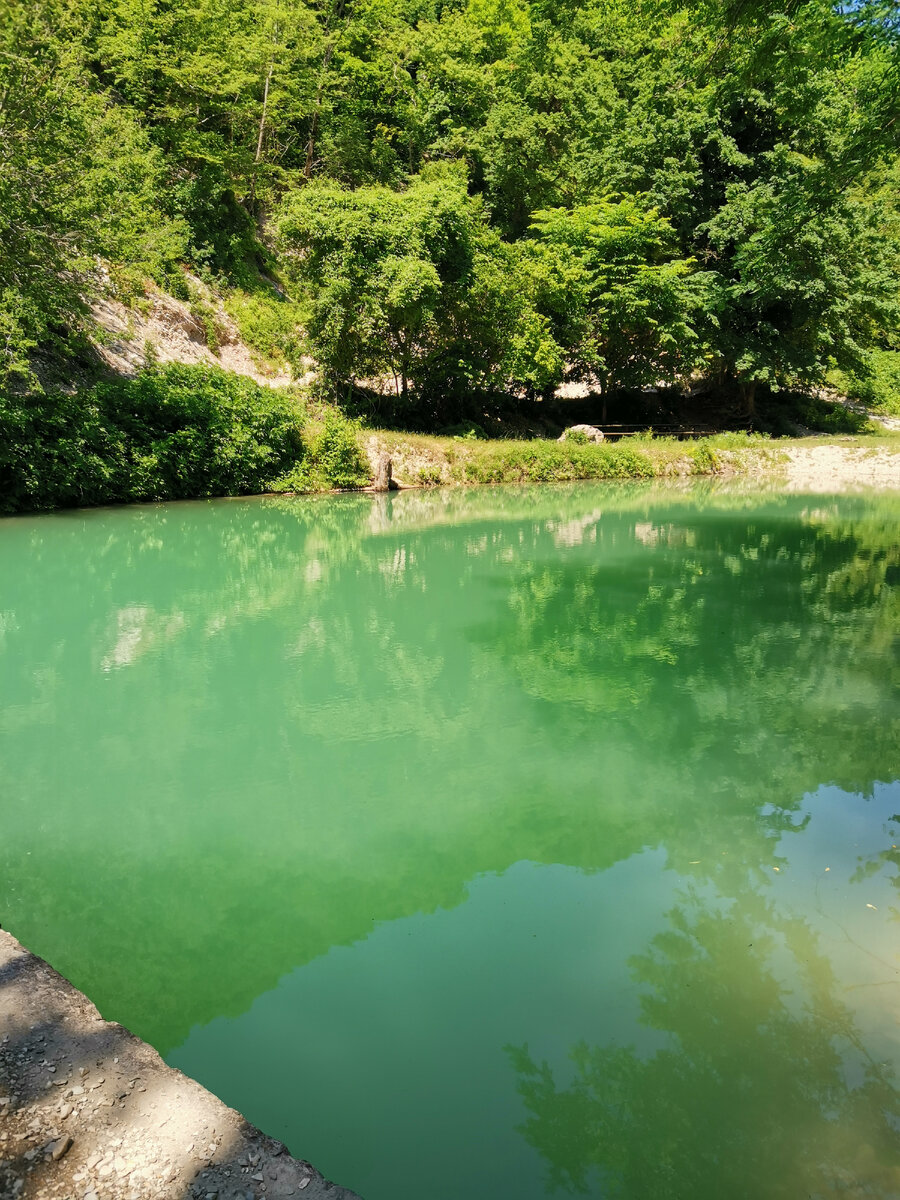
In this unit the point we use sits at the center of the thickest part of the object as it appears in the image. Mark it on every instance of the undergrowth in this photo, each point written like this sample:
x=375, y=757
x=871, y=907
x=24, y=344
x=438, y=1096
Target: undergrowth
x=539, y=461
x=332, y=458
x=170, y=433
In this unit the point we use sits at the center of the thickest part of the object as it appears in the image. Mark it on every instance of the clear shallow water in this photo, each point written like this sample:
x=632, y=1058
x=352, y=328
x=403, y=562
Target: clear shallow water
x=496, y=841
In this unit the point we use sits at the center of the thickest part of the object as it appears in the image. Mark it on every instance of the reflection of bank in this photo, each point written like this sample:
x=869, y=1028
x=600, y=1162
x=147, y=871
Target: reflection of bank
x=781, y=1002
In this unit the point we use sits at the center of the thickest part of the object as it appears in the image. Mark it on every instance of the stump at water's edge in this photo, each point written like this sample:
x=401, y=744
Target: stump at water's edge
x=382, y=480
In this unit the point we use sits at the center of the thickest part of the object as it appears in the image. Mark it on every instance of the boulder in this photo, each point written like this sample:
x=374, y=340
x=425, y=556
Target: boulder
x=589, y=433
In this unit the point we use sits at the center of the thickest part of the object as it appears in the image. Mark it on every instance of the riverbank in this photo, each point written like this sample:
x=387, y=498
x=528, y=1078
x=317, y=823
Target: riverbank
x=90, y=1112
x=836, y=463
x=834, y=467
x=191, y=432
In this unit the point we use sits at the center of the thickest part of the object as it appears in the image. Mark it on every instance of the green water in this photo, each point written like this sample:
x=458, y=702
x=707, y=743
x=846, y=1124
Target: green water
x=502, y=844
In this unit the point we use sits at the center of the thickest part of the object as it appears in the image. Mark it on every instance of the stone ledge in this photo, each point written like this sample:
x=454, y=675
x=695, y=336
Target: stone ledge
x=90, y=1112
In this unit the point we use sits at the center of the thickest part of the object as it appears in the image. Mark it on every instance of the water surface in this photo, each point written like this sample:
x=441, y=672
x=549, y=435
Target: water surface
x=513, y=843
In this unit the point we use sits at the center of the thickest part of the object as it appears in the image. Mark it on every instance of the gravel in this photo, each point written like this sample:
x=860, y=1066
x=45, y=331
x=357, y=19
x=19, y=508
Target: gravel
x=90, y=1112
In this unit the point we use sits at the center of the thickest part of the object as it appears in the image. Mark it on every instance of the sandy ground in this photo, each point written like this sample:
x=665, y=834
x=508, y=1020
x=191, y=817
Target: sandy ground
x=90, y=1112
x=841, y=468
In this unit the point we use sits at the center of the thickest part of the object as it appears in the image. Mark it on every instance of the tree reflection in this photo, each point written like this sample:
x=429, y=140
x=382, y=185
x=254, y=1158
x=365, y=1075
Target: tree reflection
x=766, y=1089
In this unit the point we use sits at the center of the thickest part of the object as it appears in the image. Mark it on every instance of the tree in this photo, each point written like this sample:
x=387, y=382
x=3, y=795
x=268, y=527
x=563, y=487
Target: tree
x=79, y=183
x=412, y=284
x=607, y=278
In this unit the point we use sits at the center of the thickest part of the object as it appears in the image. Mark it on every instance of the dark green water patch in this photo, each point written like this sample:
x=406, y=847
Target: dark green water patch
x=504, y=841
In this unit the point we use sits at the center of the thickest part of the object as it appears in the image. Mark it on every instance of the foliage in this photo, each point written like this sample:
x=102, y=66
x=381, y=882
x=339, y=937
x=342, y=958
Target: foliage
x=79, y=179
x=168, y=434
x=541, y=462
x=471, y=198
x=828, y=417
x=411, y=284
x=269, y=323
x=605, y=277
x=332, y=458
x=706, y=461
x=877, y=384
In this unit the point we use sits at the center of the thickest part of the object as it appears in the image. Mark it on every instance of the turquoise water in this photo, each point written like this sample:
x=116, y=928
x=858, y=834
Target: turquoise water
x=509, y=842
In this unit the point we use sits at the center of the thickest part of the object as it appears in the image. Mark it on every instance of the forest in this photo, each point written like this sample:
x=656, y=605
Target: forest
x=444, y=200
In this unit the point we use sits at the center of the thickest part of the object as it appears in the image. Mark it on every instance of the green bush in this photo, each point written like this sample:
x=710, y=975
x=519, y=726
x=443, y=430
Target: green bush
x=429, y=476
x=336, y=454
x=170, y=433
x=826, y=417
x=706, y=461
x=269, y=324
x=468, y=431
x=879, y=387
x=333, y=458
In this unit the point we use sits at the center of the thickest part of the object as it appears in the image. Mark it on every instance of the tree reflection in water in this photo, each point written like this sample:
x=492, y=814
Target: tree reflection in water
x=766, y=1089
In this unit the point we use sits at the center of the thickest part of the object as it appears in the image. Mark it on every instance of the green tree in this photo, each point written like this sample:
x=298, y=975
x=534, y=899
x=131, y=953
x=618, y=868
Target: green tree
x=412, y=285
x=606, y=277
x=79, y=185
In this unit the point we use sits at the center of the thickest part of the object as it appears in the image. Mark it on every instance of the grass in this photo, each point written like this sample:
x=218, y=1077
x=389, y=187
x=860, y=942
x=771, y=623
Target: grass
x=429, y=460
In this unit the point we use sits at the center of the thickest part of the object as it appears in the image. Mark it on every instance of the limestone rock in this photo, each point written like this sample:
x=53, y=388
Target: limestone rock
x=590, y=432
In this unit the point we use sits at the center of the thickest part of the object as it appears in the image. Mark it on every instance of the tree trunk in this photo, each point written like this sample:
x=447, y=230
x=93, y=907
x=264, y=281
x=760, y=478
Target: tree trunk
x=314, y=124
x=749, y=390
x=262, y=119
x=382, y=480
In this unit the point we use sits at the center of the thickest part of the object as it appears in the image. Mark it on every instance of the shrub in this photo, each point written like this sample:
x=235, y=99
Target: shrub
x=879, y=387
x=269, y=324
x=429, y=476
x=706, y=461
x=468, y=431
x=333, y=458
x=170, y=433
x=336, y=453
x=826, y=417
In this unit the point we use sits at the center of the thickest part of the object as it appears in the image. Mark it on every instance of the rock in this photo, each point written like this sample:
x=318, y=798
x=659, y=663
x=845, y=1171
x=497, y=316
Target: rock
x=382, y=480
x=60, y=1148
x=590, y=432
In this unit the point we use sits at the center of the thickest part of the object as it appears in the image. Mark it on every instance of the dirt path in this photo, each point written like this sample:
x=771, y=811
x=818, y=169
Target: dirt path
x=90, y=1112
x=841, y=468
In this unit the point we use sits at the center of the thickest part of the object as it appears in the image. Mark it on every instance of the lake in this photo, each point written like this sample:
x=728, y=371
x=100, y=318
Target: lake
x=504, y=842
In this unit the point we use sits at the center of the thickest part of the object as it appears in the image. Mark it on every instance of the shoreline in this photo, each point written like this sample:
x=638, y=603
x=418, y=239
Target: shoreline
x=88, y=1111
x=825, y=466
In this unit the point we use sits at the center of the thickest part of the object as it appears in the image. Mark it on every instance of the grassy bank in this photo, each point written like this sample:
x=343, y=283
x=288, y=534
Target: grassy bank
x=423, y=460
x=180, y=432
